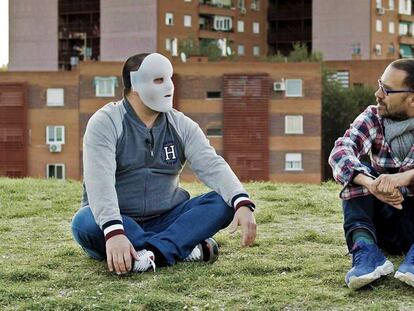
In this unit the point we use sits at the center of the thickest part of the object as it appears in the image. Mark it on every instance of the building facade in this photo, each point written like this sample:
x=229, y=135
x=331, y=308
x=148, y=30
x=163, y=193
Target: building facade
x=75, y=30
x=263, y=118
x=363, y=29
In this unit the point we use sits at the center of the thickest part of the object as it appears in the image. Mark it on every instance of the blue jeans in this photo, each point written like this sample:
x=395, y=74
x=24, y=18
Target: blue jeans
x=392, y=229
x=174, y=234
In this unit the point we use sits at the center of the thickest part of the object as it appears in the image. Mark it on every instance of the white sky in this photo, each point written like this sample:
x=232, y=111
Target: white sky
x=4, y=32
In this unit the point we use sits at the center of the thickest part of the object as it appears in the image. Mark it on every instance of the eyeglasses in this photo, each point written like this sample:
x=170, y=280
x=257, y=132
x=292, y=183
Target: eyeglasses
x=389, y=91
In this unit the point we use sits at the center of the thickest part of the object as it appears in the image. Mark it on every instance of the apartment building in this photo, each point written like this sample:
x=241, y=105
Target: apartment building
x=263, y=118
x=363, y=29
x=289, y=21
x=39, y=124
x=71, y=31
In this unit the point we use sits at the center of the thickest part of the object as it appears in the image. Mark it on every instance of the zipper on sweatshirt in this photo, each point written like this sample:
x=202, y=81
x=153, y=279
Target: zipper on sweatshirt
x=152, y=144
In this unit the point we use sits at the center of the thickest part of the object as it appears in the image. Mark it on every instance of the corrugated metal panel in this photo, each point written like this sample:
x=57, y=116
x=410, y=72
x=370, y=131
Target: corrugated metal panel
x=13, y=129
x=246, y=125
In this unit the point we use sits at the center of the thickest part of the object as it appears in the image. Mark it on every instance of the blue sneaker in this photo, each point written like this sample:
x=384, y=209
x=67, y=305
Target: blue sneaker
x=368, y=265
x=405, y=272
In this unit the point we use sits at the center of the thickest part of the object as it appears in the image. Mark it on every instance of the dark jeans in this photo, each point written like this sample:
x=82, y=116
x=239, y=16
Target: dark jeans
x=392, y=229
x=174, y=233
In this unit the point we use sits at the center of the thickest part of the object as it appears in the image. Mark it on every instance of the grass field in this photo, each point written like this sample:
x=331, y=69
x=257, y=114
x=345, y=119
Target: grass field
x=297, y=263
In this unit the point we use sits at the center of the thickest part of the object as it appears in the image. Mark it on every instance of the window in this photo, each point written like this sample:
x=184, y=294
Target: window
x=256, y=27
x=255, y=6
x=391, y=49
x=187, y=20
x=214, y=132
x=105, y=86
x=356, y=48
x=378, y=49
x=256, y=50
x=213, y=94
x=187, y=0
x=391, y=27
x=240, y=26
x=222, y=23
x=378, y=4
x=55, y=171
x=404, y=7
x=293, y=88
x=293, y=124
x=55, y=134
x=168, y=44
x=171, y=44
x=342, y=77
x=55, y=97
x=240, y=49
x=404, y=29
x=406, y=51
x=169, y=19
x=293, y=162
x=391, y=5
x=378, y=25
x=241, y=4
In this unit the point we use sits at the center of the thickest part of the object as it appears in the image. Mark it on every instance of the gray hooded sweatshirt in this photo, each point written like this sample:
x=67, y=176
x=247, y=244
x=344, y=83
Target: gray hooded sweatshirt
x=132, y=170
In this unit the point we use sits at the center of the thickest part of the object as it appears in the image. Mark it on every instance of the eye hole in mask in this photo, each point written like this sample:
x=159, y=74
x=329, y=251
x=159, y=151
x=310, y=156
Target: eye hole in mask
x=158, y=80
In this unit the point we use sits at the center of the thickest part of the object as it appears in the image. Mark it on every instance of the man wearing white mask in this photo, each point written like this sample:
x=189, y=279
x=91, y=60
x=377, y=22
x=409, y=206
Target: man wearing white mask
x=134, y=212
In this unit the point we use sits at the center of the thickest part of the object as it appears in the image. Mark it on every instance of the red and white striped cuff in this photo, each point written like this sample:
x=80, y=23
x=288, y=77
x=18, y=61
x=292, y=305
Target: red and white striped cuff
x=243, y=201
x=112, y=228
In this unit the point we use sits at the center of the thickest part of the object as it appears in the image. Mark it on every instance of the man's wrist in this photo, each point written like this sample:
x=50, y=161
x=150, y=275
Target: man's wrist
x=363, y=180
x=250, y=207
x=242, y=200
x=113, y=228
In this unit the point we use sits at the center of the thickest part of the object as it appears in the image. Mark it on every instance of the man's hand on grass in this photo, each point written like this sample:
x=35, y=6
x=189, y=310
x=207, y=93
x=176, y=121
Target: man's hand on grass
x=120, y=254
x=244, y=217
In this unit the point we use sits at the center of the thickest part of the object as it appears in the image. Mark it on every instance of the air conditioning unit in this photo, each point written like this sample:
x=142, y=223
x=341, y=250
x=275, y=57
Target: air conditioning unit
x=253, y=6
x=55, y=147
x=279, y=86
x=243, y=10
x=381, y=11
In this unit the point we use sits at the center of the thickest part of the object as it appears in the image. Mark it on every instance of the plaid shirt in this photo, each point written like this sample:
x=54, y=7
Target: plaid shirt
x=365, y=136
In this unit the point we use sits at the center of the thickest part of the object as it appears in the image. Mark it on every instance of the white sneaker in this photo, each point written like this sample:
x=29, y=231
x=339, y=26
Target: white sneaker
x=206, y=251
x=145, y=261
x=195, y=255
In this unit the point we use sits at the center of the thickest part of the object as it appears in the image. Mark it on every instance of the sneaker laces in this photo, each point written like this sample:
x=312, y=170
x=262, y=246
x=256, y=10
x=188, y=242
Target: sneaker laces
x=356, y=252
x=195, y=254
x=144, y=262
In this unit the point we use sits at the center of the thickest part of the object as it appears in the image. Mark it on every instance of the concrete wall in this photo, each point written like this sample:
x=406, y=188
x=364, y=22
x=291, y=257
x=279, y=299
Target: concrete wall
x=339, y=24
x=128, y=28
x=33, y=35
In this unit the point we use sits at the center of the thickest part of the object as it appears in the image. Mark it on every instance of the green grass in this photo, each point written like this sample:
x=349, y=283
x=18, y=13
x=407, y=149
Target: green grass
x=297, y=263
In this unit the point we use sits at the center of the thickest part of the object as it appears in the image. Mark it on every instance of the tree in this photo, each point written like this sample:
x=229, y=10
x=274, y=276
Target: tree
x=299, y=53
x=340, y=106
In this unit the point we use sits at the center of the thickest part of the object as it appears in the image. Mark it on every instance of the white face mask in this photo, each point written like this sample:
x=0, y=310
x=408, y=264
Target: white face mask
x=157, y=95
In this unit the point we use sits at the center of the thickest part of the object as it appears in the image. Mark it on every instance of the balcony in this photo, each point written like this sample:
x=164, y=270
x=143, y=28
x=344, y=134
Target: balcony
x=212, y=34
x=289, y=13
x=406, y=39
x=289, y=36
x=78, y=7
x=210, y=9
x=405, y=18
